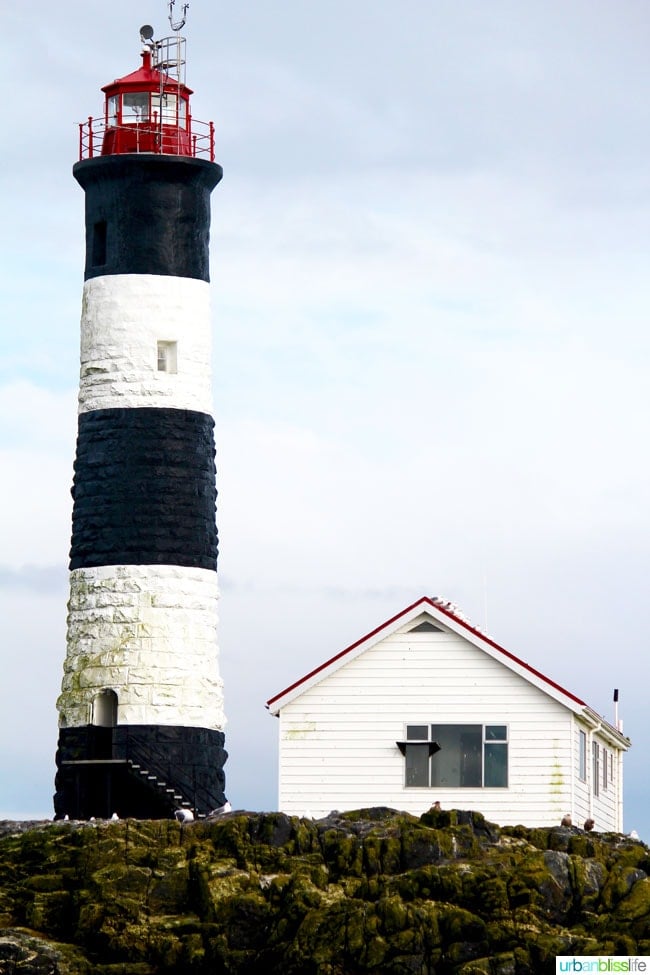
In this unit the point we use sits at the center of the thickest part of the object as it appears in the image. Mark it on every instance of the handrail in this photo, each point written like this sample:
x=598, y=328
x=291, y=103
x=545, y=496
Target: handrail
x=156, y=759
x=197, y=140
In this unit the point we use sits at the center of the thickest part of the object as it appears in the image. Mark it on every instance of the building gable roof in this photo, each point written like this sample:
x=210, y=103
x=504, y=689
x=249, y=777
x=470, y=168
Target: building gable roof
x=443, y=612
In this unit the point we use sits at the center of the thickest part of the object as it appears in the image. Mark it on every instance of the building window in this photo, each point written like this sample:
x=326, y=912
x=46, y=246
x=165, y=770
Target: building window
x=99, y=244
x=417, y=755
x=582, y=756
x=167, y=359
x=495, y=756
x=462, y=756
x=595, y=759
x=605, y=770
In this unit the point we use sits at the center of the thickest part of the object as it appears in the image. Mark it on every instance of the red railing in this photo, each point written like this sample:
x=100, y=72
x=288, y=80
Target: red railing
x=96, y=138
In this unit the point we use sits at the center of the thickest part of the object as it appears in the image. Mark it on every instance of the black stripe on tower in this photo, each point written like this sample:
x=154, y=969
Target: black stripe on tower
x=144, y=489
x=95, y=778
x=147, y=214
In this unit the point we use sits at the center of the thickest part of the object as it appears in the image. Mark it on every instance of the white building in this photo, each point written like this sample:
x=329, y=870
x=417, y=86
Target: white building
x=426, y=708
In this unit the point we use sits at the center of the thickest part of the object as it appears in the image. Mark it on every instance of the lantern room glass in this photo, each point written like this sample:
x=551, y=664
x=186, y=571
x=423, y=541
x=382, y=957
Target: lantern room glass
x=111, y=110
x=164, y=108
x=135, y=106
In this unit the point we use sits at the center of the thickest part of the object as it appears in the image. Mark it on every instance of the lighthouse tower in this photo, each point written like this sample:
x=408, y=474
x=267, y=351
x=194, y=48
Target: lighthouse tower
x=141, y=707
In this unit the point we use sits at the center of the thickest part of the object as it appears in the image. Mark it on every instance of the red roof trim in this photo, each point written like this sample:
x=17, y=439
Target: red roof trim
x=146, y=79
x=445, y=612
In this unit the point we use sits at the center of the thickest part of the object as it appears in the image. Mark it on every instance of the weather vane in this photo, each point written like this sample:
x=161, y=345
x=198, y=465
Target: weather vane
x=178, y=24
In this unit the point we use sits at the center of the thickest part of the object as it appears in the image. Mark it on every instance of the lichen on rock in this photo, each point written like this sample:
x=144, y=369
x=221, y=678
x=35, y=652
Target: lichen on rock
x=370, y=892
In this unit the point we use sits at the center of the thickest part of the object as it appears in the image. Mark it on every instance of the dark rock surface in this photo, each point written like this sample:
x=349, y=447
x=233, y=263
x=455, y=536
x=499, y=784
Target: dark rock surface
x=373, y=891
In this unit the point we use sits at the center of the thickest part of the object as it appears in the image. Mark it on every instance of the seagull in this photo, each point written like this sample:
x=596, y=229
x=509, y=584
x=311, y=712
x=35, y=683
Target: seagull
x=634, y=835
x=114, y=817
x=184, y=815
x=566, y=820
x=589, y=824
x=221, y=810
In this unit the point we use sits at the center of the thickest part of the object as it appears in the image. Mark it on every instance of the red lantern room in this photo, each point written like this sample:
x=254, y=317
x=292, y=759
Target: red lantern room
x=149, y=109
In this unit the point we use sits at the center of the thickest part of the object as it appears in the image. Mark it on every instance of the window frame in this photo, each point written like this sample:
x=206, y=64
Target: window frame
x=167, y=354
x=582, y=755
x=419, y=735
x=163, y=107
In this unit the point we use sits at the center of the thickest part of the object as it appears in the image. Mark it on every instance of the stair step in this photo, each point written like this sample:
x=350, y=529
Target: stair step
x=159, y=784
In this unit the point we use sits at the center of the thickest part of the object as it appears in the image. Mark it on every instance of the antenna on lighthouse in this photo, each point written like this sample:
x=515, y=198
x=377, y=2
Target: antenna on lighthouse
x=179, y=24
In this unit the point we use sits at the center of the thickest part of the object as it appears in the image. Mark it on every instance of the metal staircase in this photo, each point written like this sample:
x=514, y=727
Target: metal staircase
x=153, y=782
x=154, y=765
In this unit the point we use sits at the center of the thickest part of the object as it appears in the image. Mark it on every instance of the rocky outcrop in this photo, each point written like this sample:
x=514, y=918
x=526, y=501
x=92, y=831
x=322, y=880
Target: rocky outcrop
x=375, y=891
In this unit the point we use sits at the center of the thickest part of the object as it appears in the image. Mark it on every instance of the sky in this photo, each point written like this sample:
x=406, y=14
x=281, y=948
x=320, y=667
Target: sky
x=429, y=265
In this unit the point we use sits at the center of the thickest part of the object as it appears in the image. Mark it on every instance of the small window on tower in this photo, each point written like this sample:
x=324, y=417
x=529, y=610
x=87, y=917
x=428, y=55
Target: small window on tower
x=167, y=357
x=99, y=244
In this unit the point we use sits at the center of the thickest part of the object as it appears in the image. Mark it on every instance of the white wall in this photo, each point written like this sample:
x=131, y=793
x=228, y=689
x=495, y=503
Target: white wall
x=123, y=318
x=150, y=634
x=337, y=740
x=603, y=808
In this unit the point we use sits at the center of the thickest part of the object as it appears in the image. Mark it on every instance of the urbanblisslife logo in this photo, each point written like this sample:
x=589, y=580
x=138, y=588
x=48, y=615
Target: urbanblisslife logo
x=615, y=963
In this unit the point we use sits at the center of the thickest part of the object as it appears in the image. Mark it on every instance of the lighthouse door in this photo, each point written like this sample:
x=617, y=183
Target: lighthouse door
x=104, y=720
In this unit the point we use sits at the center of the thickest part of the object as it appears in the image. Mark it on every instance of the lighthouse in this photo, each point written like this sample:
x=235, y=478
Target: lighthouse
x=141, y=719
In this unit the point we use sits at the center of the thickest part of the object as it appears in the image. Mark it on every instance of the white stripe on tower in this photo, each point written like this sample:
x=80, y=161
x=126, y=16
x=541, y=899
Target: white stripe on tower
x=150, y=634
x=124, y=317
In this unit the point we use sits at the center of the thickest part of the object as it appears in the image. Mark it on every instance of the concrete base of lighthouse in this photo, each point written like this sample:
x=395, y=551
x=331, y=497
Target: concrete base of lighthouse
x=141, y=771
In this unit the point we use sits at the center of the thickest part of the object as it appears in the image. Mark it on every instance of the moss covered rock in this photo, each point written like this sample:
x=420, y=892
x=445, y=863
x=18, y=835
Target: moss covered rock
x=371, y=891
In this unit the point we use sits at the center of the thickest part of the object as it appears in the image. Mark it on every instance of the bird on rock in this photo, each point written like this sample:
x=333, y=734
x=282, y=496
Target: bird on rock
x=222, y=810
x=184, y=815
x=589, y=824
x=566, y=820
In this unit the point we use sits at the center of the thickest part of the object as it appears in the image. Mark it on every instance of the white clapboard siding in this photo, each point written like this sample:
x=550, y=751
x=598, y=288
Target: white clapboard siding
x=339, y=726
x=337, y=740
x=603, y=808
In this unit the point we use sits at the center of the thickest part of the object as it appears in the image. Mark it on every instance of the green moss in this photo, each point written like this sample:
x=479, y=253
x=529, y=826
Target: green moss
x=276, y=894
x=342, y=852
x=636, y=905
x=620, y=882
